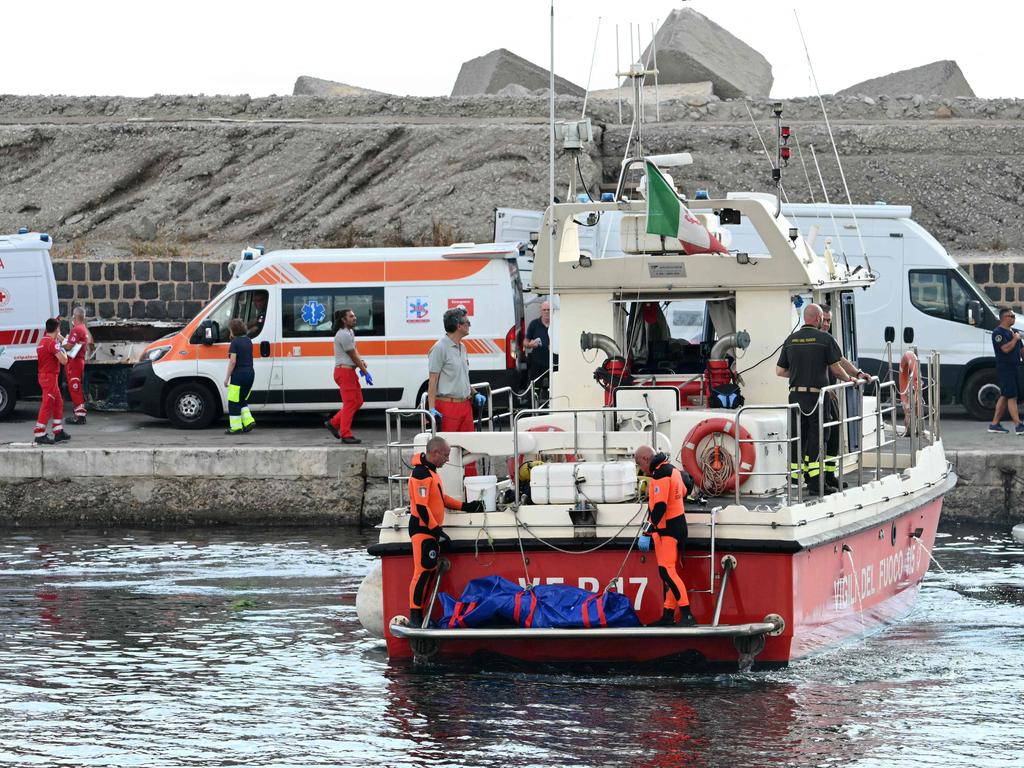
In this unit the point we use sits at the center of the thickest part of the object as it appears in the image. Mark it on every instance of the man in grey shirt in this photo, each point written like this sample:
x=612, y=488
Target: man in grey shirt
x=449, y=395
x=346, y=361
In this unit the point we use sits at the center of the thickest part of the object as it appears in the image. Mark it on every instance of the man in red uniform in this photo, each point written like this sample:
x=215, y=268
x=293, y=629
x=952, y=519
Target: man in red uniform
x=665, y=494
x=50, y=357
x=77, y=345
x=427, y=502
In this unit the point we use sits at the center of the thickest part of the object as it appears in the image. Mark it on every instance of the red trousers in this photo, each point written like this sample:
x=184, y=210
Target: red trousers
x=458, y=417
x=52, y=406
x=351, y=399
x=75, y=371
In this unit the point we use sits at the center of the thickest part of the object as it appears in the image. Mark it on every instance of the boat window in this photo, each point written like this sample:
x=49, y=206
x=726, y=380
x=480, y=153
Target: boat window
x=665, y=336
x=309, y=312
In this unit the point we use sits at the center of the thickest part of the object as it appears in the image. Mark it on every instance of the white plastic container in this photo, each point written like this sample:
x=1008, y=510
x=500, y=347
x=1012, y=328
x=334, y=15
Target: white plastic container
x=484, y=487
x=610, y=482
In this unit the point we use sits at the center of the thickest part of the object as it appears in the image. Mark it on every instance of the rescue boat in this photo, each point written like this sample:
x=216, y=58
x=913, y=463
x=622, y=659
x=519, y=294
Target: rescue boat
x=775, y=571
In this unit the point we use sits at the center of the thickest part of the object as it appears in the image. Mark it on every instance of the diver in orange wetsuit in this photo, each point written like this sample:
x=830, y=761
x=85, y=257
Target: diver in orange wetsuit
x=427, y=503
x=665, y=494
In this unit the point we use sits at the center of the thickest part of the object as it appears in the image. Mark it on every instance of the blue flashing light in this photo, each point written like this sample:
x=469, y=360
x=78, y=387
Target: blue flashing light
x=701, y=194
x=583, y=197
x=607, y=197
x=798, y=301
x=22, y=230
x=45, y=238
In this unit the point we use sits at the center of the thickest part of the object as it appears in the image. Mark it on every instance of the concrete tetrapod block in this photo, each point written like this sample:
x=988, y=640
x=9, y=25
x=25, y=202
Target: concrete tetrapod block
x=691, y=49
x=315, y=86
x=491, y=72
x=940, y=78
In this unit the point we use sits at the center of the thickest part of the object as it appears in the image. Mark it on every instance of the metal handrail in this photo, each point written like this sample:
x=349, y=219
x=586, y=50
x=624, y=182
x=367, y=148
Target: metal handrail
x=575, y=429
x=789, y=440
x=397, y=445
x=842, y=421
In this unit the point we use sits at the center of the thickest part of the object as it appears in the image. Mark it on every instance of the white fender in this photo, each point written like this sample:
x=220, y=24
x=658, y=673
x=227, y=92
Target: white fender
x=370, y=601
x=1018, y=533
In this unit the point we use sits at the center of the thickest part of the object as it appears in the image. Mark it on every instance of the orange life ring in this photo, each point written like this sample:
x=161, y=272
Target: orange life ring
x=709, y=427
x=910, y=376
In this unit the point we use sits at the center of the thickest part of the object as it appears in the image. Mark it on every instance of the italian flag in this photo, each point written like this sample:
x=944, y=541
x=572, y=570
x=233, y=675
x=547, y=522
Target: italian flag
x=667, y=216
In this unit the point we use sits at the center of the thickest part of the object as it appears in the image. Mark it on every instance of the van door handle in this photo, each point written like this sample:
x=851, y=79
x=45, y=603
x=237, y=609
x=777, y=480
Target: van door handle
x=264, y=349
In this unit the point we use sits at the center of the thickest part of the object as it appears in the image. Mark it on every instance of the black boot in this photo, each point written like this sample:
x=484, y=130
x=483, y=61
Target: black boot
x=416, y=617
x=686, y=618
x=668, y=618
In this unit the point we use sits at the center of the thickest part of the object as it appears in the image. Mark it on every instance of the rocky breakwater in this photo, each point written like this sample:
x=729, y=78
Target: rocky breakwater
x=171, y=180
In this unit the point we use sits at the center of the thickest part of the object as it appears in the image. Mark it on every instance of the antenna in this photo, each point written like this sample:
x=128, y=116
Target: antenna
x=654, y=50
x=835, y=149
x=637, y=73
x=824, y=191
x=551, y=197
x=591, y=72
x=799, y=151
x=618, y=69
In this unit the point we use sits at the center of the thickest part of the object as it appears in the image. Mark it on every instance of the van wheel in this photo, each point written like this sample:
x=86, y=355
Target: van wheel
x=8, y=396
x=191, y=406
x=980, y=394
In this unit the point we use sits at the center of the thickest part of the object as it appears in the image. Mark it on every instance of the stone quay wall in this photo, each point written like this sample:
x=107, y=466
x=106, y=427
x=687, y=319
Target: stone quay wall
x=138, y=289
x=181, y=487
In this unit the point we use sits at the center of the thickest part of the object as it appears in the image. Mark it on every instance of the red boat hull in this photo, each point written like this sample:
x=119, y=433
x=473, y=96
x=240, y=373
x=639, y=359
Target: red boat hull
x=826, y=593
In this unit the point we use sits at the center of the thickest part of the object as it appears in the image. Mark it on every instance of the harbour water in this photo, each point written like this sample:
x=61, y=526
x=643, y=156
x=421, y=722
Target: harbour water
x=227, y=647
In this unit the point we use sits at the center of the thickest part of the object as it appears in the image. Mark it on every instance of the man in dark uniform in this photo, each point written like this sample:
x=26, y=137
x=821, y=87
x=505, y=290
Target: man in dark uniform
x=808, y=354
x=831, y=463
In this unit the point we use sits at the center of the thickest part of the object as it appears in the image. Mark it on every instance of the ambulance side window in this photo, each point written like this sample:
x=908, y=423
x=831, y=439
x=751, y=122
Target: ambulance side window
x=309, y=312
x=220, y=316
x=248, y=305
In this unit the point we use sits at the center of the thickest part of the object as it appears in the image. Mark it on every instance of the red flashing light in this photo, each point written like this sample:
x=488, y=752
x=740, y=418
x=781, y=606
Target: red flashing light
x=785, y=133
x=785, y=153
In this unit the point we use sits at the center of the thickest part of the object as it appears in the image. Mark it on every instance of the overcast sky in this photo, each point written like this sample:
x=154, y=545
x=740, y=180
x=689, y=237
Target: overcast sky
x=415, y=47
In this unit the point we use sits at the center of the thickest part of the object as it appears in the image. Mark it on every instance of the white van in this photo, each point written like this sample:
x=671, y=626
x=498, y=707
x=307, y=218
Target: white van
x=28, y=296
x=921, y=292
x=288, y=299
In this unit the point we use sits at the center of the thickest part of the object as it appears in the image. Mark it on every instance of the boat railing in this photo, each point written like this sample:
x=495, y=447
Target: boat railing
x=791, y=442
x=576, y=412
x=919, y=402
x=395, y=445
x=843, y=420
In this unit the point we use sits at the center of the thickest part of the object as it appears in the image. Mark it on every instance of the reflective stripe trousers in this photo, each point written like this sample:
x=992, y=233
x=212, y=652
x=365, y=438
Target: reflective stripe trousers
x=239, y=416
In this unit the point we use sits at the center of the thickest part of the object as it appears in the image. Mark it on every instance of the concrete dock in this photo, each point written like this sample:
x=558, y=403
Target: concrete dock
x=126, y=469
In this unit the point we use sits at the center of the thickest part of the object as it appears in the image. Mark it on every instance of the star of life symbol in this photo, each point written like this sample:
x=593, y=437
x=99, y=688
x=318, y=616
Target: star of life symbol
x=313, y=313
x=418, y=308
x=657, y=489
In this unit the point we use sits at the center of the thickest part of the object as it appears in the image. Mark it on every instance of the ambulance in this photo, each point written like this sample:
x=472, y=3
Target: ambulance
x=288, y=300
x=28, y=296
